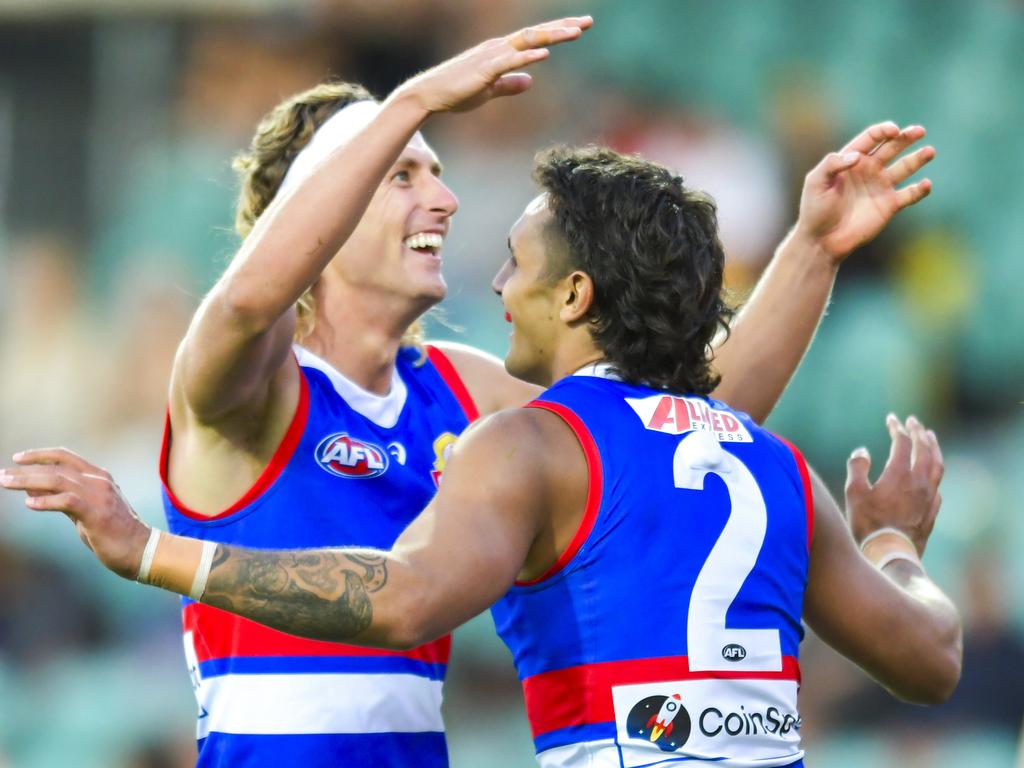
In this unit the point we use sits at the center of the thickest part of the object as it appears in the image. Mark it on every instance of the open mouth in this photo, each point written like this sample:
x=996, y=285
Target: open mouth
x=425, y=242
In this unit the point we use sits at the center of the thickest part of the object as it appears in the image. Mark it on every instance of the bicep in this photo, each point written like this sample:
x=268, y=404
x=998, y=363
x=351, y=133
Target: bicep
x=492, y=387
x=226, y=363
x=466, y=549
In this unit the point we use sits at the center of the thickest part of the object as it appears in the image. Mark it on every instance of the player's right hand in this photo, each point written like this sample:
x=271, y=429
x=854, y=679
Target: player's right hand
x=58, y=480
x=906, y=495
x=488, y=70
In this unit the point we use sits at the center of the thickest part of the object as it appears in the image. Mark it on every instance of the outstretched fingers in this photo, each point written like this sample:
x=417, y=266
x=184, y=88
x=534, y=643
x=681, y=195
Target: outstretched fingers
x=902, y=446
x=890, y=148
x=921, y=457
x=528, y=46
x=857, y=468
x=550, y=32
x=907, y=166
x=61, y=457
x=48, y=487
x=913, y=193
x=510, y=59
x=867, y=140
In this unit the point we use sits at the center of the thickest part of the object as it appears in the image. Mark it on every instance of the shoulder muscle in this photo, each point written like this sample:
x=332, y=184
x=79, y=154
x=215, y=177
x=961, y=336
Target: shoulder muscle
x=490, y=385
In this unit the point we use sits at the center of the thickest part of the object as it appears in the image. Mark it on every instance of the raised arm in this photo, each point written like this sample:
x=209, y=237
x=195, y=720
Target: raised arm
x=241, y=335
x=876, y=605
x=490, y=521
x=848, y=198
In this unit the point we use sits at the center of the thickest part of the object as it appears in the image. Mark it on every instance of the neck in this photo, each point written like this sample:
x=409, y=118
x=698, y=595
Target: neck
x=359, y=332
x=566, y=362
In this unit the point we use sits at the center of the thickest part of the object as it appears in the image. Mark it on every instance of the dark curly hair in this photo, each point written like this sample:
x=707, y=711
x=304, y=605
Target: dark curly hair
x=651, y=248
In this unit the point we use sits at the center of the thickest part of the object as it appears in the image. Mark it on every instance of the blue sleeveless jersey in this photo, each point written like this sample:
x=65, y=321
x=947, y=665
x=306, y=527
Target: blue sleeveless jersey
x=668, y=630
x=339, y=478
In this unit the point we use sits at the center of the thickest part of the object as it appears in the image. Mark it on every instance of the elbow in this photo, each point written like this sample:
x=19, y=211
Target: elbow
x=244, y=306
x=947, y=671
x=404, y=626
x=936, y=679
x=949, y=659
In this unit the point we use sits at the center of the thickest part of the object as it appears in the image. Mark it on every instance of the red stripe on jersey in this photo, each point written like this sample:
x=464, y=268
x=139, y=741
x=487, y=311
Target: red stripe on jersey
x=454, y=381
x=583, y=695
x=218, y=634
x=805, y=477
x=273, y=470
x=594, y=487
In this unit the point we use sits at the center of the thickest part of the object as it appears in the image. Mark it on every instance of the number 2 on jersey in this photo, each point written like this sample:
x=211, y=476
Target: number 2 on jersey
x=712, y=646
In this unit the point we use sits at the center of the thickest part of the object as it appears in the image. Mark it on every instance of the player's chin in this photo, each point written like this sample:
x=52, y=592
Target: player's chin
x=430, y=285
x=525, y=369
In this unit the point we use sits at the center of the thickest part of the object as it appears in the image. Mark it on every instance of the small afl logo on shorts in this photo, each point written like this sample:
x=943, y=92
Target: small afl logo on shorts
x=734, y=652
x=346, y=456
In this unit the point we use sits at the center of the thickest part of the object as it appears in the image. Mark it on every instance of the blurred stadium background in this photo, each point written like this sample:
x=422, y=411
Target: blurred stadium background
x=118, y=119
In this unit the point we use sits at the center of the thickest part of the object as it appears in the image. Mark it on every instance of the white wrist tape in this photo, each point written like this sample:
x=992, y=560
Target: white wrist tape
x=147, y=556
x=899, y=546
x=892, y=557
x=881, y=532
x=203, y=571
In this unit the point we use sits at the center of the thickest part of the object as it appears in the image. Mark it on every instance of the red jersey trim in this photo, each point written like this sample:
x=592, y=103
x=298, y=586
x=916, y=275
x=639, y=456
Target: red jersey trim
x=805, y=477
x=583, y=695
x=595, y=487
x=454, y=381
x=218, y=634
x=273, y=470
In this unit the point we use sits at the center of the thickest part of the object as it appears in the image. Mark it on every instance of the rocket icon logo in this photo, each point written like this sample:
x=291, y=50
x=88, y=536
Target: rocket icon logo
x=661, y=720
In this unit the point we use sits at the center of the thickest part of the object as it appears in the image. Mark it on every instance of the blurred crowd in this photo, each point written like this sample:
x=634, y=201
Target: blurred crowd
x=116, y=211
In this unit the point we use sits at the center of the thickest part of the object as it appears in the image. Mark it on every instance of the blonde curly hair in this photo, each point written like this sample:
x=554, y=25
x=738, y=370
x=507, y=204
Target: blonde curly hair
x=280, y=136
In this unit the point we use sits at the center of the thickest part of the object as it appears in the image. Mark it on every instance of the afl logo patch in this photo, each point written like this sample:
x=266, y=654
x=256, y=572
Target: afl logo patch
x=734, y=652
x=347, y=456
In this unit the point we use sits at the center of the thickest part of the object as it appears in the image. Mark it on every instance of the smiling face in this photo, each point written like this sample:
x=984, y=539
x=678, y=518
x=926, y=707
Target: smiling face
x=534, y=295
x=396, y=247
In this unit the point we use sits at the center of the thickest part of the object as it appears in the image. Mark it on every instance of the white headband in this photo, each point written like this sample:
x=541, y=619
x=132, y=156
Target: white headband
x=338, y=130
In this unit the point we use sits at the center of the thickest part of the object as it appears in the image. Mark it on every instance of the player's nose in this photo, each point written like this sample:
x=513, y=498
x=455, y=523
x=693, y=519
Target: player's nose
x=498, y=283
x=442, y=199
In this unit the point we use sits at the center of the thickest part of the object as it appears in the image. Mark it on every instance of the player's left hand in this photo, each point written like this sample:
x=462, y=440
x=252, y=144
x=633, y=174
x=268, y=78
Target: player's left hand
x=58, y=480
x=852, y=194
x=906, y=495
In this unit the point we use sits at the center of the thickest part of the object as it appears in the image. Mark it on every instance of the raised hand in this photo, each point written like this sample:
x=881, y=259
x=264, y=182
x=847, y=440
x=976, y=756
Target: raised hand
x=852, y=194
x=488, y=70
x=57, y=480
x=906, y=495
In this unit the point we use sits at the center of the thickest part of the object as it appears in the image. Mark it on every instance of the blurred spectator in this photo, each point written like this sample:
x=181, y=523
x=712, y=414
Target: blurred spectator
x=51, y=346
x=44, y=613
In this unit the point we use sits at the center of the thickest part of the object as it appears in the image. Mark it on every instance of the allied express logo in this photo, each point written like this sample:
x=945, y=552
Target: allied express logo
x=346, y=456
x=661, y=720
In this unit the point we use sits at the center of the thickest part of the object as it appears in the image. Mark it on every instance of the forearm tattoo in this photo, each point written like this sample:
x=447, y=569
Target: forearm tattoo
x=321, y=594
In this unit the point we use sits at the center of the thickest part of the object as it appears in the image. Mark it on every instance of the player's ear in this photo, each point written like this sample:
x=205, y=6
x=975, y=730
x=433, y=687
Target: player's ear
x=578, y=297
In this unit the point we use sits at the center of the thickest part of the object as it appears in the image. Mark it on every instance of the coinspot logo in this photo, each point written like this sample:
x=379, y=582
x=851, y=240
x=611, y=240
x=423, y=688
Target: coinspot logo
x=346, y=456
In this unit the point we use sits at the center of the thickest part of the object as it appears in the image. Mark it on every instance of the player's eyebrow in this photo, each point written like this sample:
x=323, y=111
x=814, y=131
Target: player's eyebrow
x=510, y=243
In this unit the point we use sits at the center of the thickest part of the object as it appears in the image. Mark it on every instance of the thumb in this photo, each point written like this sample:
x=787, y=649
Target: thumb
x=511, y=84
x=834, y=164
x=857, y=468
